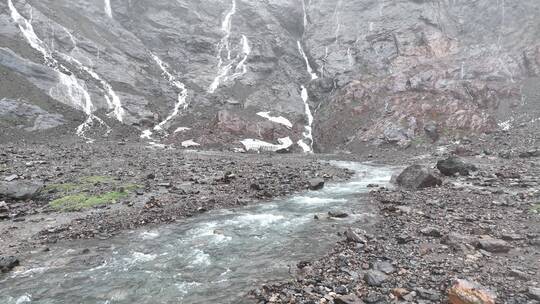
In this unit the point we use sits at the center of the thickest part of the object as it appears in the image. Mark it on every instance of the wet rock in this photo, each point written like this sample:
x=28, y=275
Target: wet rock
x=418, y=177
x=316, y=184
x=20, y=189
x=11, y=177
x=375, y=278
x=354, y=237
x=432, y=131
x=428, y=294
x=466, y=292
x=454, y=165
x=4, y=208
x=385, y=267
x=7, y=263
x=529, y=154
x=494, y=245
x=337, y=214
x=348, y=299
x=534, y=293
x=255, y=186
x=458, y=241
x=431, y=231
x=404, y=238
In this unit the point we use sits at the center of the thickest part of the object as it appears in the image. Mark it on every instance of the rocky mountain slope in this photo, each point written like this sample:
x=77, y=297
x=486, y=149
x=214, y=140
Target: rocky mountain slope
x=314, y=75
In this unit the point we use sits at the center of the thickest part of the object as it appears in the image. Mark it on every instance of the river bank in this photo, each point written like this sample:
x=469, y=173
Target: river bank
x=99, y=190
x=483, y=228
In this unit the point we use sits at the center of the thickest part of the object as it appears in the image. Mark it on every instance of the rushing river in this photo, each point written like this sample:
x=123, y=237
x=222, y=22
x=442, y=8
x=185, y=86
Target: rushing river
x=213, y=258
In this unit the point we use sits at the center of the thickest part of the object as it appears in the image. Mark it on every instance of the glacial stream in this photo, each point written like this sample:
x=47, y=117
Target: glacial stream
x=216, y=257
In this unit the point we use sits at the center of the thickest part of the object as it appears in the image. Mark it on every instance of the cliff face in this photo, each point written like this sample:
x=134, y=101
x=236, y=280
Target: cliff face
x=329, y=75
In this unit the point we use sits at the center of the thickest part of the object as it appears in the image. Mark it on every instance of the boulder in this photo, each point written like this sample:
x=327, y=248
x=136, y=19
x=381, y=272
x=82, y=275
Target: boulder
x=459, y=242
x=534, y=293
x=20, y=189
x=466, y=292
x=494, y=245
x=385, y=267
x=354, y=237
x=316, y=184
x=529, y=154
x=453, y=165
x=4, y=210
x=418, y=177
x=7, y=263
x=348, y=299
x=432, y=131
x=337, y=214
x=375, y=278
x=431, y=231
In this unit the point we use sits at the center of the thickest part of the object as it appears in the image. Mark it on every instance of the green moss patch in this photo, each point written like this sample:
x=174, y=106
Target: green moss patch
x=77, y=202
x=88, y=192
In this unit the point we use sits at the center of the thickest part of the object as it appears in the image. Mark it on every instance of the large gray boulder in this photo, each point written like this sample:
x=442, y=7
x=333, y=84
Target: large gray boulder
x=418, y=177
x=454, y=165
x=20, y=190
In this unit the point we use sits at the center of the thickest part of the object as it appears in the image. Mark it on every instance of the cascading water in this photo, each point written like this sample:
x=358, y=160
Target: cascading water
x=110, y=95
x=182, y=102
x=226, y=62
x=216, y=257
x=307, y=142
x=108, y=9
x=68, y=90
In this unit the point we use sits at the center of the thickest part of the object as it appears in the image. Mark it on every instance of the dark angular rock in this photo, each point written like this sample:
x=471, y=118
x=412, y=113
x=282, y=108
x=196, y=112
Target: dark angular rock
x=418, y=177
x=428, y=294
x=453, y=165
x=375, y=278
x=348, y=299
x=354, y=237
x=7, y=263
x=494, y=245
x=20, y=190
x=316, y=184
x=432, y=131
x=337, y=214
x=431, y=231
x=534, y=293
x=385, y=267
x=529, y=154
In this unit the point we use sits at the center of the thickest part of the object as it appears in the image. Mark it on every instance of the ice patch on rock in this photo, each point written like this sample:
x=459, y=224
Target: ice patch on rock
x=277, y=119
x=259, y=145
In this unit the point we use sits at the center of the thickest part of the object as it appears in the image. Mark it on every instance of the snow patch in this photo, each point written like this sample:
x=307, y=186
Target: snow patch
x=189, y=143
x=181, y=129
x=259, y=145
x=277, y=119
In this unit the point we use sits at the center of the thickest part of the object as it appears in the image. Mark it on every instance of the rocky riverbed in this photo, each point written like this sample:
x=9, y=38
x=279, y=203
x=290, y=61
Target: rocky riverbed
x=479, y=229
x=86, y=191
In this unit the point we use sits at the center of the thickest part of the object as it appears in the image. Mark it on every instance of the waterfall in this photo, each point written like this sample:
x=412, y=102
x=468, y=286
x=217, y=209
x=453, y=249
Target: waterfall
x=224, y=44
x=110, y=96
x=182, y=102
x=68, y=90
x=108, y=9
x=308, y=129
x=225, y=62
x=308, y=65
